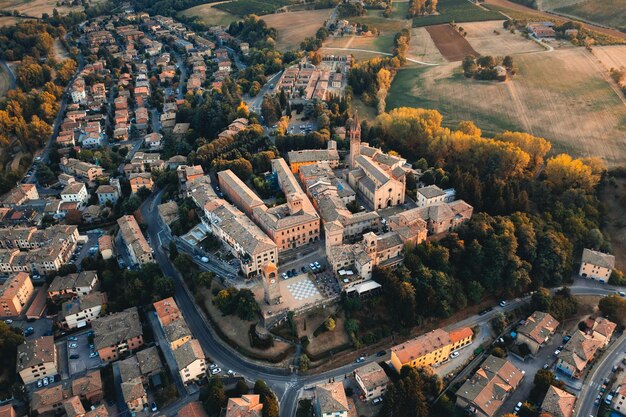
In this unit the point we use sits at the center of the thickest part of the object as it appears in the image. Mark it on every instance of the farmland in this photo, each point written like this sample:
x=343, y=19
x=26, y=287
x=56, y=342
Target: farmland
x=450, y=43
x=210, y=15
x=482, y=36
x=257, y=7
x=293, y=27
x=36, y=8
x=422, y=47
x=457, y=11
x=607, y=12
x=563, y=96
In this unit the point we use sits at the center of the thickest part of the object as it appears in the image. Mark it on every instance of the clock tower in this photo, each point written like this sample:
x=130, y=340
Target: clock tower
x=270, y=284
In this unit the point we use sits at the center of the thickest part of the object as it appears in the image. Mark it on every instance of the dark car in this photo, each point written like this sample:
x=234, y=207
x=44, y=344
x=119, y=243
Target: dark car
x=74, y=356
x=303, y=269
x=153, y=406
x=381, y=353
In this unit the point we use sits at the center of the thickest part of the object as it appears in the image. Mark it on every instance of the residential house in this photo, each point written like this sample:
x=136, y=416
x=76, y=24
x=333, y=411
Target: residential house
x=107, y=193
x=192, y=409
x=596, y=265
x=559, y=403
x=73, y=285
x=429, y=196
x=330, y=400
x=135, y=395
x=245, y=406
x=140, y=180
x=105, y=246
x=15, y=294
x=48, y=401
x=372, y=380
x=76, y=192
x=167, y=311
x=83, y=170
x=152, y=141
x=577, y=353
x=600, y=329
x=536, y=331
x=117, y=333
x=485, y=392
x=19, y=195
x=177, y=333
x=89, y=387
x=191, y=361
x=80, y=311
x=37, y=358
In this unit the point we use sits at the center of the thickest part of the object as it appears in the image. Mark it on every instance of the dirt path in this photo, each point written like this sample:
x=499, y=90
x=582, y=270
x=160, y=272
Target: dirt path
x=521, y=8
x=519, y=107
x=380, y=53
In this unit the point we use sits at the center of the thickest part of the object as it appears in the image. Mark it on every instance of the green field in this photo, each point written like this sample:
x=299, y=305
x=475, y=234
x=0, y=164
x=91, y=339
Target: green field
x=257, y=7
x=606, y=12
x=399, y=9
x=210, y=15
x=456, y=11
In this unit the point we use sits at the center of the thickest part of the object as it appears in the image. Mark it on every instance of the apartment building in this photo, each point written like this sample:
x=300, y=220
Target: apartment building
x=15, y=294
x=244, y=406
x=536, y=331
x=143, y=364
x=134, y=395
x=117, y=333
x=187, y=175
x=19, y=195
x=330, y=400
x=430, y=349
x=372, y=380
x=73, y=285
x=37, y=358
x=596, y=265
x=136, y=244
x=167, y=311
x=77, y=193
x=238, y=193
x=80, y=311
x=429, y=196
x=144, y=162
x=191, y=361
x=485, y=392
x=243, y=237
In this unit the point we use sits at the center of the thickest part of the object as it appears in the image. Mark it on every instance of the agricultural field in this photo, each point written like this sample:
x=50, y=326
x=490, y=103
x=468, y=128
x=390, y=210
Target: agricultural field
x=293, y=27
x=611, y=56
x=450, y=43
x=210, y=15
x=457, y=11
x=257, y=7
x=489, y=38
x=374, y=44
x=562, y=95
x=606, y=12
x=9, y=20
x=422, y=47
x=36, y=8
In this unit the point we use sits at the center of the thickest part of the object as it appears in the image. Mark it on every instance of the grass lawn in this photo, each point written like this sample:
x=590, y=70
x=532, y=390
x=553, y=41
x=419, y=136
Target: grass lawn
x=607, y=12
x=210, y=15
x=399, y=9
x=457, y=11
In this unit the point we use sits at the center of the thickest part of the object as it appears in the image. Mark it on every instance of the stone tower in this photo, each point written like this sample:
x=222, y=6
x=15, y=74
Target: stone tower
x=270, y=284
x=353, y=131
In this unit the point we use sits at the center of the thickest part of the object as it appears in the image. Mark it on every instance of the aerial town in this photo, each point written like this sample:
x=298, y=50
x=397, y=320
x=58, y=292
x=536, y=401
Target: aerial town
x=273, y=209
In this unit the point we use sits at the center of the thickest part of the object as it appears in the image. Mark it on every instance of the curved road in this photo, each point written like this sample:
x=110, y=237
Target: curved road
x=285, y=384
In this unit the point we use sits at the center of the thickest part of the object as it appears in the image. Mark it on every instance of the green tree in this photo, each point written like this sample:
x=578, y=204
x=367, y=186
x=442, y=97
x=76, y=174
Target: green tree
x=613, y=307
x=213, y=397
x=304, y=362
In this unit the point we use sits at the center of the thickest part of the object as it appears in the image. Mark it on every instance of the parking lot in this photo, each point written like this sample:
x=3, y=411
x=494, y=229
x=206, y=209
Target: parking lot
x=80, y=354
x=41, y=327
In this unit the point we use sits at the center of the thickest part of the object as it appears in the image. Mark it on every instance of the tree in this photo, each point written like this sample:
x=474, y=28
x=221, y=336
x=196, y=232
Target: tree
x=469, y=128
x=409, y=395
x=613, y=307
x=563, y=172
x=305, y=408
x=543, y=379
x=304, y=362
x=213, y=397
x=541, y=300
x=469, y=66
x=270, y=109
x=330, y=324
x=242, y=387
x=498, y=352
x=204, y=279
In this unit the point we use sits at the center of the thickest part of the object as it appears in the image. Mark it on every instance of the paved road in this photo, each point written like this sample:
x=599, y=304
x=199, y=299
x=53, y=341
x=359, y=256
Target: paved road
x=182, y=66
x=254, y=103
x=285, y=384
x=7, y=68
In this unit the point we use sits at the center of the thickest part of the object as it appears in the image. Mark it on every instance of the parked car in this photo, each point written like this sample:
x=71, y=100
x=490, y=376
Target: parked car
x=215, y=371
x=518, y=406
x=454, y=355
x=381, y=353
x=73, y=345
x=556, y=352
x=153, y=406
x=74, y=356
x=93, y=355
x=502, y=303
x=608, y=399
x=8, y=321
x=303, y=269
x=231, y=372
x=317, y=265
x=45, y=382
x=72, y=338
x=28, y=331
x=39, y=383
x=213, y=366
x=566, y=338
x=360, y=359
x=377, y=401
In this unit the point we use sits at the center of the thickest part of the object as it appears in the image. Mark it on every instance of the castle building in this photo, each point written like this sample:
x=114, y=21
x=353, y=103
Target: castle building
x=270, y=284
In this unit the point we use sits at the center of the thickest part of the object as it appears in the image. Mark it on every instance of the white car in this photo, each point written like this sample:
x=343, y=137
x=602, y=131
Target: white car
x=284, y=275
x=73, y=345
x=8, y=321
x=502, y=303
x=213, y=366
x=215, y=371
x=231, y=372
x=454, y=355
x=518, y=406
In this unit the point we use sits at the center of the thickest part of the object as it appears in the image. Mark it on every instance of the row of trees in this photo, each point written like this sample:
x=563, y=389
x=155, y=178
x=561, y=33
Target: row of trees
x=485, y=67
x=421, y=7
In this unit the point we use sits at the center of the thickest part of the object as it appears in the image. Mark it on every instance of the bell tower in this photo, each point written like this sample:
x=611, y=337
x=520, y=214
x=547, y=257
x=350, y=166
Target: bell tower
x=270, y=284
x=354, y=134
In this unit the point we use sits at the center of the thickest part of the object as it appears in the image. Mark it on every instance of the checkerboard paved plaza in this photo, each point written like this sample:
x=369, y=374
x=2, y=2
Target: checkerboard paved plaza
x=302, y=290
